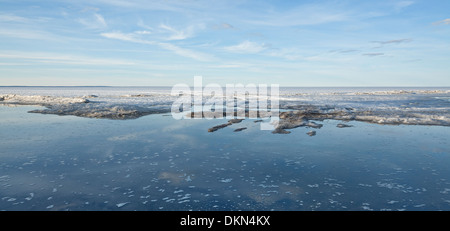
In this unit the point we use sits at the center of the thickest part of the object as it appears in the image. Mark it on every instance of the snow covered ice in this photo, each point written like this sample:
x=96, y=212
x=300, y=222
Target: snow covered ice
x=410, y=106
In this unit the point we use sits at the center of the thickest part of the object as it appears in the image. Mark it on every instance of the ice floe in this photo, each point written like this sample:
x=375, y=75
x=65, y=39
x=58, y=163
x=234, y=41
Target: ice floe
x=40, y=100
x=298, y=109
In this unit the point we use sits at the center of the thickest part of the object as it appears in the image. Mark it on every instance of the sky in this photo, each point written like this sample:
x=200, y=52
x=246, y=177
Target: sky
x=307, y=43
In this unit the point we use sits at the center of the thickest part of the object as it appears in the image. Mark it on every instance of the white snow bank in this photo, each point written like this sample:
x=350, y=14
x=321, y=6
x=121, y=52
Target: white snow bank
x=40, y=100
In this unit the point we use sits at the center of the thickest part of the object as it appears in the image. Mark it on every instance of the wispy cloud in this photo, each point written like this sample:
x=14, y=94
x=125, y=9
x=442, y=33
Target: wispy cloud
x=121, y=36
x=187, y=52
x=176, y=6
x=12, y=18
x=285, y=53
x=373, y=54
x=246, y=47
x=60, y=58
x=143, y=32
x=95, y=21
x=134, y=37
x=178, y=34
x=396, y=41
x=443, y=22
x=344, y=51
x=311, y=14
x=87, y=9
x=223, y=26
x=403, y=4
x=391, y=42
x=100, y=20
x=226, y=66
x=29, y=34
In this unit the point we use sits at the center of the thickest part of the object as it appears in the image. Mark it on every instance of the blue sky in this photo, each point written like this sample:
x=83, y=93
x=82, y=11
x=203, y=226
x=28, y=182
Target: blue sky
x=165, y=42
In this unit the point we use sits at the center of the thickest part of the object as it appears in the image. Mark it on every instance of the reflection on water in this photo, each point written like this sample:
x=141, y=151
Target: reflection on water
x=50, y=162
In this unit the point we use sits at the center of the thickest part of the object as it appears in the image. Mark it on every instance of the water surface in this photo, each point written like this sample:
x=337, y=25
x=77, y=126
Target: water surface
x=50, y=162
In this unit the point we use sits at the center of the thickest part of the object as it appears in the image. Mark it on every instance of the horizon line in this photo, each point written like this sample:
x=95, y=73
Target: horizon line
x=205, y=85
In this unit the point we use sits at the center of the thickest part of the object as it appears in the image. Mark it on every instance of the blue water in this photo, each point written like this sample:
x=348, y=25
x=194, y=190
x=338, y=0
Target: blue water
x=50, y=162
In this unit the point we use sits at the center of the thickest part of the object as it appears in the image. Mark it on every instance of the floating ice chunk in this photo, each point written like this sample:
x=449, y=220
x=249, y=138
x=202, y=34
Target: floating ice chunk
x=186, y=196
x=40, y=100
x=268, y=186
x=120, y=205
x=50, y=207
x=226, y=180
x=313, y=125
x=30, y=197
x=365, y=185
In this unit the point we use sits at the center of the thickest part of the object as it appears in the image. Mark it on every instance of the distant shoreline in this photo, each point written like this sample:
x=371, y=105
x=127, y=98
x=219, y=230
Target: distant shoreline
x=280, y=86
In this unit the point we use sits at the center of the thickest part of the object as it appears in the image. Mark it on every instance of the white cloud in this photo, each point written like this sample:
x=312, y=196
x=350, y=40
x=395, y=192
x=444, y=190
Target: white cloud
x=133, y=37
x=95, y=21
x=246, y=47
x=186, y=52
x=178, y=34
x=29, y=34
x=87, y=9
x=403, y=4
x=445, y=22
x=60, y=59
x=12, y=18
x=100, y=20
x=223, y=26
x=286, y=53
x=141, y=23
x=311, y=14
x=121, y=36
x=373, y=54
x=396, y=41
x=226, y=66
x=19, y=19
x=143, y=32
